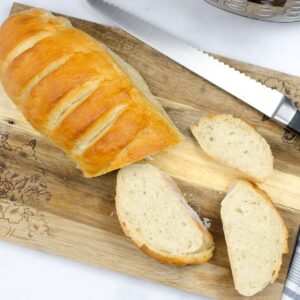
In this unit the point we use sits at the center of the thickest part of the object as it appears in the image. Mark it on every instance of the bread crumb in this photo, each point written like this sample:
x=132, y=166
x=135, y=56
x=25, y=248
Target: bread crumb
x=111, y=214
x=149, y=158
x=206, y=222
x=187, y=196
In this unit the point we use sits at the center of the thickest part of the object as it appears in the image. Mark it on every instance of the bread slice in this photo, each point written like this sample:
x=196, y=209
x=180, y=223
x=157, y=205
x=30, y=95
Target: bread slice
x=153, y=212
x=256, y=237
x=236, y=144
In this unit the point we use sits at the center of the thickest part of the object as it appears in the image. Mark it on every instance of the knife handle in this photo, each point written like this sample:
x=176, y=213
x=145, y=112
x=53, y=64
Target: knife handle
x=294, y=124
x=287, y=114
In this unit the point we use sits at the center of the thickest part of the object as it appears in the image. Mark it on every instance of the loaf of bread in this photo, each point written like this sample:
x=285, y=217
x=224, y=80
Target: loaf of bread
x=80, y=94
x=153, y=212
x=233, y=142
x=256, y=237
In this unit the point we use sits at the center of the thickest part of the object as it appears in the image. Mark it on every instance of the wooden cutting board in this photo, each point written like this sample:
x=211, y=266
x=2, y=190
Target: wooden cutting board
x=46, y=204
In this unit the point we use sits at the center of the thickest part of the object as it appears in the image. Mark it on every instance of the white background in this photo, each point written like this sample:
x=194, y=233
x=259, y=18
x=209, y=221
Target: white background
x=29, y=275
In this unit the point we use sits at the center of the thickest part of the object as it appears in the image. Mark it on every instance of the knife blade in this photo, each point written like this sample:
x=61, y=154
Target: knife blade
x=269, y=101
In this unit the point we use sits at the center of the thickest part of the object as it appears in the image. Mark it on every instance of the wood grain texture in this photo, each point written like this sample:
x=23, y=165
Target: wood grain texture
x=46, y=204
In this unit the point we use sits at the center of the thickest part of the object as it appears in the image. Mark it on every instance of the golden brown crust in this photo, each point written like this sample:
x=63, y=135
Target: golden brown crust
x=34, y=60
x=155, y=137
x=82, y=117
x=111, y=143
x=67, y=84
x=49, y=91
x=191, y=259
x=22, y=26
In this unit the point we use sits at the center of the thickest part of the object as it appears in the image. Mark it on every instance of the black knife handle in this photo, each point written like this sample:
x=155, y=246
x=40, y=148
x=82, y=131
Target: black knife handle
x=294, y=124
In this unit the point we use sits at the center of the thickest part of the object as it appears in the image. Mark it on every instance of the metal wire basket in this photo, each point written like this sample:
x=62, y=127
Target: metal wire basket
x=267, y=10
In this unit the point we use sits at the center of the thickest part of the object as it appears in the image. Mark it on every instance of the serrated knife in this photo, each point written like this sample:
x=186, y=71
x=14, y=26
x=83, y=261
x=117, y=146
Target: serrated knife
x=269, y=101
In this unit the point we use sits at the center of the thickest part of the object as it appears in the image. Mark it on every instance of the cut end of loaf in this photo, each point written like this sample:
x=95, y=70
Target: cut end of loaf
x=235, y=143
x=155, y=215
x=256, y=237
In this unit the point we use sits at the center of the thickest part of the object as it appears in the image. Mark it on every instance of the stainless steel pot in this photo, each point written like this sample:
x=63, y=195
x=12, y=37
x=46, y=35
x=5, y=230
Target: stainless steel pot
x=267, y=10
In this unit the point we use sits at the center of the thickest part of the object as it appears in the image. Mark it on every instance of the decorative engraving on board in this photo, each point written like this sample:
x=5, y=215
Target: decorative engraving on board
x=291, y=137
x=293, y=91
x=288, y=88
x=21, y=194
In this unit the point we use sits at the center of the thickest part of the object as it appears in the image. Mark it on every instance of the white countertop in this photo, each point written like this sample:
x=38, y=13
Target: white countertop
x=32, y=275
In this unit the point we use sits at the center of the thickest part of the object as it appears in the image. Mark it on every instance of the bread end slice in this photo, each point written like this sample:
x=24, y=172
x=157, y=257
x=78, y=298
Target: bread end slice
x=235, y=143
x=154, y=214
x=256, y=237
